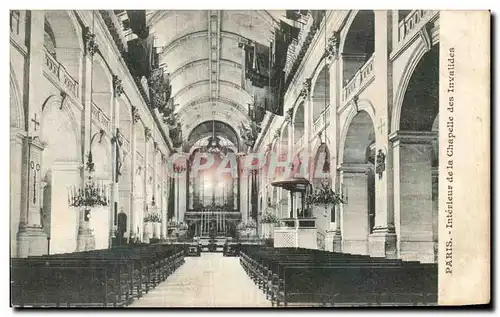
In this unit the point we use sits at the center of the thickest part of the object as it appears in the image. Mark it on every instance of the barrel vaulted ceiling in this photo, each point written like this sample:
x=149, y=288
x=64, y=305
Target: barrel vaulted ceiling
x=199, y=49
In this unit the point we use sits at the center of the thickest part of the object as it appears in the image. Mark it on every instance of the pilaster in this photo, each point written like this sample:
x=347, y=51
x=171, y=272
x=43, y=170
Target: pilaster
x=413, y=204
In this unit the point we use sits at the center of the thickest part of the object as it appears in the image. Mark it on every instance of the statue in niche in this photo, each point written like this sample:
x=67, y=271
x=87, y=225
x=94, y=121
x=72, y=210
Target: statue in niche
x=380, y=167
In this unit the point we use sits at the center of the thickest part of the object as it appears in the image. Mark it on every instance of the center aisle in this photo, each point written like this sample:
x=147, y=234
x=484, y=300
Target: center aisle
x=211, y=280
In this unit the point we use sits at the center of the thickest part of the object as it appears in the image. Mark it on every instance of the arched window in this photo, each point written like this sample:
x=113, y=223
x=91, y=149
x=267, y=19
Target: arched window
x=49, y=39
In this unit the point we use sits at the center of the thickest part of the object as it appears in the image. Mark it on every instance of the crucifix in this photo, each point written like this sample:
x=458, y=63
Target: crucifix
x=381, y=125
x=35, y=122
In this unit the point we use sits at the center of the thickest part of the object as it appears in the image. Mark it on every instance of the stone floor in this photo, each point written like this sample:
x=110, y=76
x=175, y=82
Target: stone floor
x=207, y=281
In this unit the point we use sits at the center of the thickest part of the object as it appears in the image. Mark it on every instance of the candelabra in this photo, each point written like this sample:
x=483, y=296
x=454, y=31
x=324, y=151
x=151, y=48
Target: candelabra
x=93, y=194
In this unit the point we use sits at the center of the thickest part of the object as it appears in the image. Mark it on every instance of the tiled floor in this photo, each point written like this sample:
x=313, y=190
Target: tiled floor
x=207, y=281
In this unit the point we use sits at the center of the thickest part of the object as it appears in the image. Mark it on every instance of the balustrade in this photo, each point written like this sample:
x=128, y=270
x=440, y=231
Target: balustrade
x=319, y=124
x=57, y=70
x=414, y=20
x=362, y=76
x=99, y=116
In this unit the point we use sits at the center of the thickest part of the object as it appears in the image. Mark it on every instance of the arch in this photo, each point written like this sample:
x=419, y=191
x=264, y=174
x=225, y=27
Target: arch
x=17, y=115
x=221, y=128
x=357, y=44
x=60, y=130
x=321, y=149
x=63, y=32
x=299, y=122
x=101, y=152
x=421, y=54
x=102, y=85
x=125, y=116
x=363, y=105
x=321, y=92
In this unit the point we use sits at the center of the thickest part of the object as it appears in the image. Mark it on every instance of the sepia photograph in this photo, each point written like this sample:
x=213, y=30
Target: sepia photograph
x=242, y=158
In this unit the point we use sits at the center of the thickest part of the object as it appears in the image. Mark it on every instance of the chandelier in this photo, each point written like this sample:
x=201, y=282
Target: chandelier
x=213, y=145
x=325, y=196
x=93, y=194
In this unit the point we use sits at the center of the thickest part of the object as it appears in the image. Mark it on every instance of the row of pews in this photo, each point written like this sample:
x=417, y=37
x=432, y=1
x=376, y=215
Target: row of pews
x=305, y=277
x=98, y=278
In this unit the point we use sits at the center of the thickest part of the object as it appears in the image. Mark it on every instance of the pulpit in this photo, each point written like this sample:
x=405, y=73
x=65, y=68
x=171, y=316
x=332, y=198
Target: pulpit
x=299, y=230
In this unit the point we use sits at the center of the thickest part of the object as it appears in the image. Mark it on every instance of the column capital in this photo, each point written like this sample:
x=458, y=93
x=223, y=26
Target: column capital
x=117, y=86
x=17, y=134
x=289, y=115
x=36, y=142
x=147, y=133
x=413, y=137
x=332, y=47
x=135, y=115
x=306, y=88
x=91, y=45
x=352, y=168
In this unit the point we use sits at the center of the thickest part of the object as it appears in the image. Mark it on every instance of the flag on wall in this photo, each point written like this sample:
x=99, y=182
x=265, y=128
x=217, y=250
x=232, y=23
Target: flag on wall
x=138, y=25
x=141, y=55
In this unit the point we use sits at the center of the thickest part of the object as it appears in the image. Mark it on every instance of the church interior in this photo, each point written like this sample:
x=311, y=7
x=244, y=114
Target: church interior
x=291, y=154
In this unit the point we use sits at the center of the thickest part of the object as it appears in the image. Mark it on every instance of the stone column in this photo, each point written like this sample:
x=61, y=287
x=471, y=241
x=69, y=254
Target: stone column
x=85, y=239
x=354, y=225
x=155, y=208
x=32, y=240
x=243, y=181
x=133, y=167
x=115, y=119
x=147, y=134
x=17, y=168
x=413, y=204
x=308, y=107
x=383, y=238
x=332, y=51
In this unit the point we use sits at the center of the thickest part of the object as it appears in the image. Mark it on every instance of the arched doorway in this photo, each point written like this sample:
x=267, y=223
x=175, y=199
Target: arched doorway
x=416, y=163
x=358, y=184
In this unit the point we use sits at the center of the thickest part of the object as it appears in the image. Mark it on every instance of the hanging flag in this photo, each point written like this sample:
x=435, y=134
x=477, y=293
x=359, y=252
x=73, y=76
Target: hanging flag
x=289, y=31
x=257, y=64
x=138, y=25
x=295, y=14
x=141, y=56
x=317, y=16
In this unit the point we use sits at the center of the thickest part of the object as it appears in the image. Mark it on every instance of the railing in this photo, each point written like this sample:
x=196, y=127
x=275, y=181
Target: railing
x=61, y=74
x=299, y=144
x=99, y=116
x=362, y=76
x=412, y=21
x=319, y=124
x=300, y=223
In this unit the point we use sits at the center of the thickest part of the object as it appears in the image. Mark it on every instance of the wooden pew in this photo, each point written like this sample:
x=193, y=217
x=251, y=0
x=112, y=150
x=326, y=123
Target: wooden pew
x=312, y=277
x=93, y=278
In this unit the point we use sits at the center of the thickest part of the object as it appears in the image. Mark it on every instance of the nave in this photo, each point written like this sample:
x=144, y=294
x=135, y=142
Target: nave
x=164, y=276
x=210, y=280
